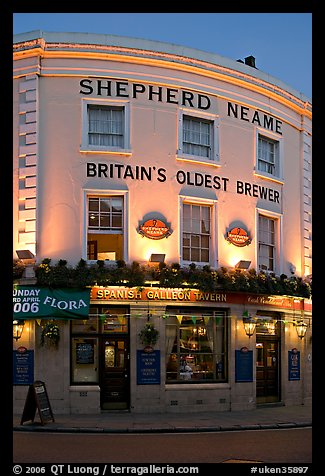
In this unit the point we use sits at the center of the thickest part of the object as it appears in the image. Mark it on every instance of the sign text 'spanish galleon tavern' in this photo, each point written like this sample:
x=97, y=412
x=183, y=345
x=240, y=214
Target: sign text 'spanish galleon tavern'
x=162, y=228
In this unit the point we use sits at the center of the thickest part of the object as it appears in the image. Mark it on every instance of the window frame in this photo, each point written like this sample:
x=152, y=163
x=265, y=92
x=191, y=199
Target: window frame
x=97, y=334
x=88, y=148
x=213, y=248
x=214, y=121
x=274, y=138
x=73, y=364
x=278, y=260
x=88, y=193
x=213, y=313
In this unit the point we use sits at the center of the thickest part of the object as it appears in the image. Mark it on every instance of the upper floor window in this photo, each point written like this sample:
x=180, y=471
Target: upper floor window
x=105, y=227
x=198, y=138
x=196, y=233
x=268, y=156
x=266, y=243
x=105, y=127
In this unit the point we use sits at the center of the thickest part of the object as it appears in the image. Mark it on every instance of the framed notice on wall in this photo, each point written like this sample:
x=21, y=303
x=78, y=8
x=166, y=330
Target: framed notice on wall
x=244, y=365
x=294, y=364
x=85, y=352
x=148, y=367
x=23, y=366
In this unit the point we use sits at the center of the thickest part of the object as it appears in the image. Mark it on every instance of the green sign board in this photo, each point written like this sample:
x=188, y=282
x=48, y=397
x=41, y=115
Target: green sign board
x=35, y=302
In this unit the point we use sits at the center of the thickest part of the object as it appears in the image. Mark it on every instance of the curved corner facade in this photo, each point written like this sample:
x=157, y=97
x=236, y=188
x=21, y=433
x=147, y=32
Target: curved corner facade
x=129, y=150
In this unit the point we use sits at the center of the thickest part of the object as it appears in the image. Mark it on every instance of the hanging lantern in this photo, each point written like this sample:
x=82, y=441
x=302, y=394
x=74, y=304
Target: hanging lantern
x=301, y=328
x=17, y=329
x=249, y=325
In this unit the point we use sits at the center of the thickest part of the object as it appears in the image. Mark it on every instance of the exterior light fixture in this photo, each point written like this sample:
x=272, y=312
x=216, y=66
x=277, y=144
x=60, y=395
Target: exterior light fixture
x=301, y=328
x=249, y=325
x=17, y=329
x=28, y=259
x=242, y=264
x=26, y=256
x=157, y=258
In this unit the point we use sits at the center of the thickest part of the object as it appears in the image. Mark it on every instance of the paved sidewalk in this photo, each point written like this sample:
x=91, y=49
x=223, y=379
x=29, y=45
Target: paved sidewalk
x=267, y=417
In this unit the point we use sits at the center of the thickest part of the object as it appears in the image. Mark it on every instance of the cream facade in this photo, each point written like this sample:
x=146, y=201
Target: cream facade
x=112, y=135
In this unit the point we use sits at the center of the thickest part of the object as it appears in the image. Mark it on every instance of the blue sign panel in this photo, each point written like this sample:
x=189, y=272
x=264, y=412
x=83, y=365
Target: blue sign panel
x=23, y=366
x=148, y=367
x=294, y=364
x=244, y=365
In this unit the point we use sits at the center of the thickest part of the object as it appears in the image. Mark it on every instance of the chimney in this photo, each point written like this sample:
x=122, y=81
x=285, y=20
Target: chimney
x=250, y=61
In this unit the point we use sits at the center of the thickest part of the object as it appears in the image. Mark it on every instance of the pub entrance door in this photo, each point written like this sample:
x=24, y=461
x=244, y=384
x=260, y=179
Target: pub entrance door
x=267, y=369
x=114, y=375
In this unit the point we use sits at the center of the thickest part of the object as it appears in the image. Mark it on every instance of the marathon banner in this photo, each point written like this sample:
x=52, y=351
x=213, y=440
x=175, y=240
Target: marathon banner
x=36, y=302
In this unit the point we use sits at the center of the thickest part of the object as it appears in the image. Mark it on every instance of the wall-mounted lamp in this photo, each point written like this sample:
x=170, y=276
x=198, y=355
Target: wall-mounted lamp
x=157, y=258
x=301, y=328
x=249, y=325
x=17, y=329
x=26, y=256
x=29, y=260
x=242, y=264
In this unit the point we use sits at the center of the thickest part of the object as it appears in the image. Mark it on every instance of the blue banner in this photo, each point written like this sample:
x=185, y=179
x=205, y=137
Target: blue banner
x=23, y=366
x=244, y=365
x=293, y=364
x=148, y=367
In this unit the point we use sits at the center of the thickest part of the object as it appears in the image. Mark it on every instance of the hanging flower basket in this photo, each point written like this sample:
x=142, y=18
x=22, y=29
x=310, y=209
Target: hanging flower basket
x=50, y=335
x=149, y=335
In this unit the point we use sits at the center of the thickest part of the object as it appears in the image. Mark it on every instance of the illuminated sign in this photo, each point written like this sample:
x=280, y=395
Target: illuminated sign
x=124, y=89
x=154, y=229
x=118, y=294
x=238, y=237
x=106, y=170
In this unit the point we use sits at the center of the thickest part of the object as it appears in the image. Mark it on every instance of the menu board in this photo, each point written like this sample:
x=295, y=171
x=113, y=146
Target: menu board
x=294, y=364
x=23, y=366
x=148, y=367
x=244, y=365
x=37, y=399
x=85, y=352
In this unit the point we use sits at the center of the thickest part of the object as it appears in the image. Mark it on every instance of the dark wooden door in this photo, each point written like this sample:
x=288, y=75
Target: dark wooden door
x=92, y=249
x=267, y=370
x=115, y=381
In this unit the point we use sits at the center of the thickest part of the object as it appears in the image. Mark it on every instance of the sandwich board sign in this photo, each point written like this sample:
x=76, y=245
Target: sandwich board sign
x=37, y=399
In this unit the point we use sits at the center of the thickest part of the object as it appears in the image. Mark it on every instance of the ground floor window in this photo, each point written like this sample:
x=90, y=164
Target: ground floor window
x=196, y=345
x=89, y=348
x=84, y=360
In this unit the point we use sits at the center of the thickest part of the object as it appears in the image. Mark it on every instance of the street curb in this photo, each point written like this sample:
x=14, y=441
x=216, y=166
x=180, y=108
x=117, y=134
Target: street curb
x=252, y=427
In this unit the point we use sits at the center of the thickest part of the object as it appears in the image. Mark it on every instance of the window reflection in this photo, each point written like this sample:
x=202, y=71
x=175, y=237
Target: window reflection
x=196, y=347
x=84, y=360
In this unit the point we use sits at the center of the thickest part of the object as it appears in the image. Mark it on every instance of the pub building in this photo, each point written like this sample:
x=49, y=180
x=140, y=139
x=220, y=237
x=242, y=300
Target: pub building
x=162, y=228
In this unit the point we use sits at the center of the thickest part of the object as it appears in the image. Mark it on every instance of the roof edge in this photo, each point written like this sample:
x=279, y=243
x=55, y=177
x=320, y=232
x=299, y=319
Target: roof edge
x=156, y=46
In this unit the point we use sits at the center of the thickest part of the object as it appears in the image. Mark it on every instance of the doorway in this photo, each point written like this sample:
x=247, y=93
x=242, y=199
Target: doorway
x=114, y=374
x=267, y=369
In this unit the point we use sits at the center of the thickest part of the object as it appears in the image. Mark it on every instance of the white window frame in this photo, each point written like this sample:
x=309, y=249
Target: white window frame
x=213, y=248
x=274, y=138
x=215, y=122
x=278, y=240
x=84, y=232
x=85, y=146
